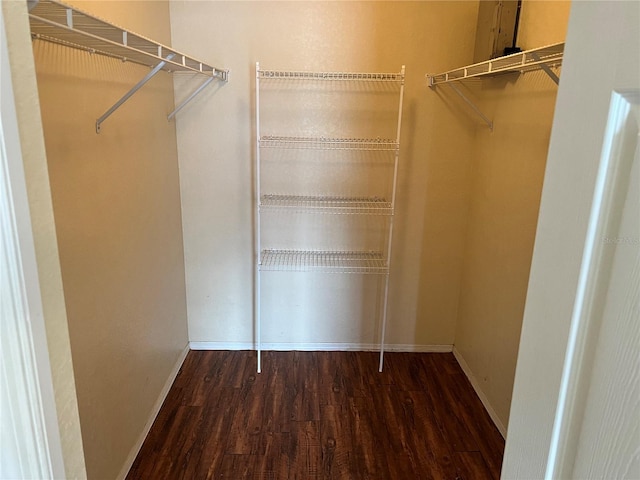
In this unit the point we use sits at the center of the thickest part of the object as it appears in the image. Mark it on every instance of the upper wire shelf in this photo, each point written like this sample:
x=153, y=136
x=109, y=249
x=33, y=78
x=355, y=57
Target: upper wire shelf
x=54, y=21
x=327, y=204
x=534, y=59
x=323, y=261
x=331, y=76
x=324, y=143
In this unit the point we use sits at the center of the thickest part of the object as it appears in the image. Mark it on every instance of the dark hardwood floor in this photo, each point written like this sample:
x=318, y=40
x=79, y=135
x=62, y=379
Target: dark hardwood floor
x=321, y=415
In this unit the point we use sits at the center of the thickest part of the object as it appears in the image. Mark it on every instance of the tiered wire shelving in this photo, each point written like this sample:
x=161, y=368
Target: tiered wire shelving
x=324, y=261
x=56, y=22
x=543, y=58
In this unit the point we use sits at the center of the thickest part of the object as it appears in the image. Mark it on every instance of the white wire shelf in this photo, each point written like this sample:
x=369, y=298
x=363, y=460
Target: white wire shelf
x=323, y=261
x=324, y=143
x=327, y=204
x=57, y=22
x=54, y=21
x=331, y=76
x=538, y=58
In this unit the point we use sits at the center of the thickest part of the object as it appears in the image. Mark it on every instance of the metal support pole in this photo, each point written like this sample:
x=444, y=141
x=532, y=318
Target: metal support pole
x=384, y=320
x=128, y=95
x=257, y=287
x=190, y=97
x=473, y=106
x=390, y=237
x=546, y=69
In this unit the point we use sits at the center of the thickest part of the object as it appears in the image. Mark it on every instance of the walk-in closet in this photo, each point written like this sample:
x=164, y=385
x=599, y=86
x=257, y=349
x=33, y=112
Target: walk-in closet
x=307, y=239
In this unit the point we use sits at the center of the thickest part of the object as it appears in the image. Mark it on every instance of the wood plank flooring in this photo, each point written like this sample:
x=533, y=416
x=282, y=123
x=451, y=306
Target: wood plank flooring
x=320, y=415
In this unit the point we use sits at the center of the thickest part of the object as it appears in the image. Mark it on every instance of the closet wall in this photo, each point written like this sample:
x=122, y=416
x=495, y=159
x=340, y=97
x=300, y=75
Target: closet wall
x=508, y=171
x=216, y=154
x=116, y=204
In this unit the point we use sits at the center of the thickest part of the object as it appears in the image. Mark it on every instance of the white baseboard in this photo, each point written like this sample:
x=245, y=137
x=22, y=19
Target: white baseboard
x=152, y=415
x=476, y=386
x=345, y=347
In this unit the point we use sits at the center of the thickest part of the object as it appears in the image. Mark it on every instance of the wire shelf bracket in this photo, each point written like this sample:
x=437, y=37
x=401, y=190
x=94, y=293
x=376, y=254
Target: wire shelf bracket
x=543, y=58
x=56, y=22
x=131, y=92
x=473, y=106
x=190, y=97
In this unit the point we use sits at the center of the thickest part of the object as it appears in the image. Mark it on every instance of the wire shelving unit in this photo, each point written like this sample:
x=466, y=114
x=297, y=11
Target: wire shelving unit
x=56, y=22
x=374, y=262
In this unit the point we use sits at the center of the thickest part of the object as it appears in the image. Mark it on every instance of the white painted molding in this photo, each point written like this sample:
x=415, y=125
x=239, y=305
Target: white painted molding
x=586, y=324
x=30, y=441
x=321, y=347
x=476, y=386
x=152, y=416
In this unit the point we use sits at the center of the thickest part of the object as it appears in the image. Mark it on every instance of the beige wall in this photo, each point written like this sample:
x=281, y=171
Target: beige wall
x=215, y=144
x=508, y=171
x=42, y=223
x=116, y=204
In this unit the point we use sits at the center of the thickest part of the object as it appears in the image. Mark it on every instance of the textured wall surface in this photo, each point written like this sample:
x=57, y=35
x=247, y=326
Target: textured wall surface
x=508, y=172
x=216, y=150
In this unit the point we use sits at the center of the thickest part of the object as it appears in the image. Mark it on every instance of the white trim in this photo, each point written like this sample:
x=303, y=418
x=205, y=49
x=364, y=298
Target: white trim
x=152, y=416
x=345, y=347
x=476, y=386
x=29, y=432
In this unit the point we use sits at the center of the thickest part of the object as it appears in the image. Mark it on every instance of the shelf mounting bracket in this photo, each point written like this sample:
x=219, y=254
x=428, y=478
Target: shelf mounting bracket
x=473, y=106
x=546, y=69
x=222, y=75
x=133, y=90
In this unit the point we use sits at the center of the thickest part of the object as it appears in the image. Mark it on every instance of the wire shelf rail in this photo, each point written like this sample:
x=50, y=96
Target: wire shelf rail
x=542, y=58
x=327, y=204
x=59, y=23
x=534, y=59
x=55, y=21
x=323, y=261
x=331, y=76
x=324, y=143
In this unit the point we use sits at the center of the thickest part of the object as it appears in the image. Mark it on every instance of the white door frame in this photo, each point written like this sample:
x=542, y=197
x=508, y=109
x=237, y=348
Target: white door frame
x=31, y=446
x=585, y=323
x=594, y=67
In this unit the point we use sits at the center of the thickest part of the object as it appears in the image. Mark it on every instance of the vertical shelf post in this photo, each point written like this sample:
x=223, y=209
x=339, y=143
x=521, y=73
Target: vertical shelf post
x=390, y=238
x=258, y=332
